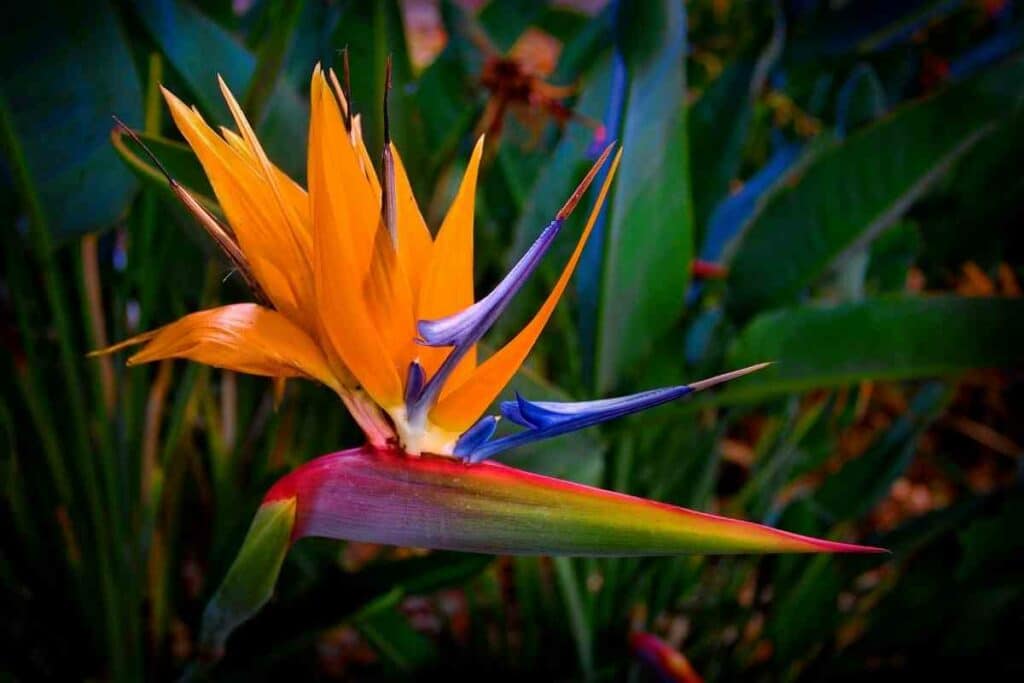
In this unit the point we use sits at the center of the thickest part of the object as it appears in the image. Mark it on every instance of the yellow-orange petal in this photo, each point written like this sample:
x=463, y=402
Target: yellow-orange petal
x=242, y=337
x=345, y=325
x=253, y=214
x=292, y=227
x=461, y=406
x=448, y=283
x=293, y=193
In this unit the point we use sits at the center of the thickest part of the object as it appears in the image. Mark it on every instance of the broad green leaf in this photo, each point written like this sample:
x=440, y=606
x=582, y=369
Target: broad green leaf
x=859, y=187
x=886, y=338
x=650, y=234
x=62, y=75
x=199, y=49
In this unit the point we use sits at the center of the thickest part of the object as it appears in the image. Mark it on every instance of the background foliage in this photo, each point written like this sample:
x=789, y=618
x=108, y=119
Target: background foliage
x=855, y=165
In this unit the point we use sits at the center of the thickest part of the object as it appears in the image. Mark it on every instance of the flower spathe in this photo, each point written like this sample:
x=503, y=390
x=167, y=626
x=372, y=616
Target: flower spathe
x=355, y=292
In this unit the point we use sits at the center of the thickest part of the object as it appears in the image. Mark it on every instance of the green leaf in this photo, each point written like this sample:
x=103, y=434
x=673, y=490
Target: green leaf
x=718, y=128
x=886, y=338
x=284, y=21
x=391, y=633
x=64, y=73
x=199, y=50
x=859, y=187
x=650, y=237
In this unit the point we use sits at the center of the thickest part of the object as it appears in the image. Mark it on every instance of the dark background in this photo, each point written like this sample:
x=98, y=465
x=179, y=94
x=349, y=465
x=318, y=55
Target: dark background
x=854, y=166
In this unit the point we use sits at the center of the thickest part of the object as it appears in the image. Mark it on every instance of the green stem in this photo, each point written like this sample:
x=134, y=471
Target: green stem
x=579, y=623
x=40, y=236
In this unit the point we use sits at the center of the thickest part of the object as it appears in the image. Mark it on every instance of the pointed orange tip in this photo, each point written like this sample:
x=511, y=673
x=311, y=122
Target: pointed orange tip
x=584, y=185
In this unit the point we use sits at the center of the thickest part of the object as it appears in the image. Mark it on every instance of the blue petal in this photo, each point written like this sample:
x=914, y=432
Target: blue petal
x=546, y=419
x=476, y=435
x=414, y=382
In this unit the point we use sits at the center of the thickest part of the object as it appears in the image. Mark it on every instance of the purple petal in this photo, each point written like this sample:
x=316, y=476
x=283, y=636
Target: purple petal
x=469, y=325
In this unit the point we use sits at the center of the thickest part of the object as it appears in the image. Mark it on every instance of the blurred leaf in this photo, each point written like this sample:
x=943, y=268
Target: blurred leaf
x=892, y=255
x=199, y=49
x=505, y=21
x=887, y=338
x=861, y=99
x=577, y=614
x=806, y=614
x=868, y=25
x=270, y=58
x=62, y=74
x=993, y=236
x=445, y=96
x=860, y=187
x=718, y=125
x=718, y=129
x=650, y=237
x=862, y=482
x=732, y=215
x=390, y=632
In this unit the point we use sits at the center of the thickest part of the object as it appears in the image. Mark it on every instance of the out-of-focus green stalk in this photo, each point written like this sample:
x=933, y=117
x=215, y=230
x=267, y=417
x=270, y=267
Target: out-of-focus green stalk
x=27, y=375
x=93, y=307
x=579, y=622
x=270, y=58
x=119, y=655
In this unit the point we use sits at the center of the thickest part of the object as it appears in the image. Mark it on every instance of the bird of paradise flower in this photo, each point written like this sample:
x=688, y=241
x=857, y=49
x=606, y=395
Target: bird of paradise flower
x=354, y=292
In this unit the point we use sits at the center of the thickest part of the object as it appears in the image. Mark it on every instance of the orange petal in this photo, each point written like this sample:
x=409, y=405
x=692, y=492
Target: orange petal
x=460, y=406
x=339, y=202
x=448, y=283
x=253, y=213
x=365, y=162
x=295, y=229
x=414, y=240
x=389, y=302
x=242, y=337
x=293, y=193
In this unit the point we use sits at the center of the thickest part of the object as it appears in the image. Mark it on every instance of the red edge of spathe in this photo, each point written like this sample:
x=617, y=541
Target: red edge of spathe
x=289, y=485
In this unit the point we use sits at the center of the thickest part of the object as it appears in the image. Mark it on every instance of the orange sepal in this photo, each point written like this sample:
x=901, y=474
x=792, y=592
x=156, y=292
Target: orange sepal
x=460, y=406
